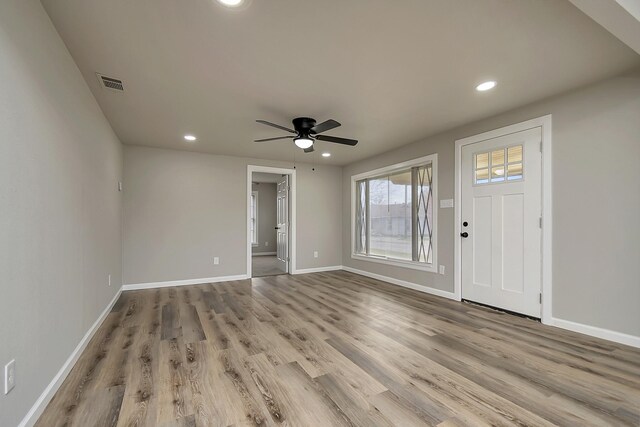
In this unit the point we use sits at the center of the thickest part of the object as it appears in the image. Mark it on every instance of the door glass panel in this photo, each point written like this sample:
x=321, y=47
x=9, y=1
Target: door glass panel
x=497, y=174
x=514, y=171
x=515, y=154
x=482, y=176
x=482, y=161
x=497, y=157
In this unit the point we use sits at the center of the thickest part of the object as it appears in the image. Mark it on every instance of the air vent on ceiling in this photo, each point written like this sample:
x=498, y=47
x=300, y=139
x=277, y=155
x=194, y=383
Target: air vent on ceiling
x=110, y=83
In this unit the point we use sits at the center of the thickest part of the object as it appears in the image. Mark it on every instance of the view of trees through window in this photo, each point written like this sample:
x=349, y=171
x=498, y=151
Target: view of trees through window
x=390, y=216
x=394, y=215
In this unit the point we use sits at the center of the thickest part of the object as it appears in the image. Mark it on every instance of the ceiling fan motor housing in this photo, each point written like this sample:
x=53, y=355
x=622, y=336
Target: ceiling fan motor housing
x=303, y=125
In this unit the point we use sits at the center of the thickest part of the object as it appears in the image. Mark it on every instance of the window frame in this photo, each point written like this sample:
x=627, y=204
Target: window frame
x=255, y=243
x=387, y=170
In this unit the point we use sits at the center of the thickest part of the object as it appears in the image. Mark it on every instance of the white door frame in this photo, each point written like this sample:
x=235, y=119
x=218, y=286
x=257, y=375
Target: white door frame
x=543, y=122
x=292, y=205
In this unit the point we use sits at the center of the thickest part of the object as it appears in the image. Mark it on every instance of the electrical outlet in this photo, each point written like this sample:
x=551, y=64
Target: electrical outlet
x=266, y=243
x=9, y=376
x=216, y=260
x=120, y=186
x=315, y=254
x=441, y=269
x=109, y=280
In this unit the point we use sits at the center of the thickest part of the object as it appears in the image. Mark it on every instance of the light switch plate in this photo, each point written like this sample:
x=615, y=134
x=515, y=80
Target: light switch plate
x=446, y=203
x=441, y=269
x=216, y=260
x=9, y=376
x=315, y=254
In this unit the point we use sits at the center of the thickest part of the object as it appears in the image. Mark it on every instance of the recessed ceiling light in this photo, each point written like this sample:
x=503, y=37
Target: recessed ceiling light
x=231, y=3
x=486, y=86
x=190, y=137
x=326, y=154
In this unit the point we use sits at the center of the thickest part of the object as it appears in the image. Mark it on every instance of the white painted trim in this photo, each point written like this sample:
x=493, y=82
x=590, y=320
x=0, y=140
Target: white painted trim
x=264, y=253
x=256, y=243
x=39, y=406
x=431, y=158
x=319, y=269
x=292, y=204
x=404, y=284
x=430, y=268
x=545, y=123
x=594, y=331
x=187, y=282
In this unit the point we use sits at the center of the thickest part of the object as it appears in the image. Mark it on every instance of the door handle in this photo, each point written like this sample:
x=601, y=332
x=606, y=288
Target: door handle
x=464, y=234
x=277, y=228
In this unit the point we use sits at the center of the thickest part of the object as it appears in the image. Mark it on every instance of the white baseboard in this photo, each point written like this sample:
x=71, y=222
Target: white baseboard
x=151, y=285
x=38, y=408
x=318, y=269
x=264, y=253
x=403, y=283
x=597, y=332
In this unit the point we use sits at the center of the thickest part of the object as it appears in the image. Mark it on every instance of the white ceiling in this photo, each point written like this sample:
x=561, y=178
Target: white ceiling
x=392, y=72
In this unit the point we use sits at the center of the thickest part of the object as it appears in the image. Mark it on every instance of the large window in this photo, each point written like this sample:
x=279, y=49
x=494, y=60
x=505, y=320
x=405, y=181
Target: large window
x=394, y=215
x=254, y=218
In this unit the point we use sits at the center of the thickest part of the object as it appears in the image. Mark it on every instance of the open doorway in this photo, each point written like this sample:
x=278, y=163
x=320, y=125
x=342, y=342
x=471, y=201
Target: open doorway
x=271, y=220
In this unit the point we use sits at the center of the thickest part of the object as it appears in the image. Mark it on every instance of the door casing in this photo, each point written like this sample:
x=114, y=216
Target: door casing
x=544, y=123
x=292, y=210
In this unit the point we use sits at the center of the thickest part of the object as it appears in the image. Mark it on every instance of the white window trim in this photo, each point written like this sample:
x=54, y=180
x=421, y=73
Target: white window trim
x=414, y=265
x=255, y=243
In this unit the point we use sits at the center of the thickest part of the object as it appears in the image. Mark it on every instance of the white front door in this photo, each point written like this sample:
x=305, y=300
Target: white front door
x=501, y=222
x=282, y=227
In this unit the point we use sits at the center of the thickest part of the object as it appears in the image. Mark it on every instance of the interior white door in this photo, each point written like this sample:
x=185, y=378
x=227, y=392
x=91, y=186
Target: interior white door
x=501, y=222
x=282, y=227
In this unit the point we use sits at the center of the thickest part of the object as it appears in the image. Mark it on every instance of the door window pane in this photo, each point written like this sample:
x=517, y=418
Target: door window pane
x=497, y=157
x=482, y=176
x=497, y=174
x=515, y=154
x=482, y=160
x=514, y=171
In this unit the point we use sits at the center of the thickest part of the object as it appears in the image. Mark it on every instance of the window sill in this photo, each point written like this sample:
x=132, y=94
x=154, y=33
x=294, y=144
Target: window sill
x=431, y=268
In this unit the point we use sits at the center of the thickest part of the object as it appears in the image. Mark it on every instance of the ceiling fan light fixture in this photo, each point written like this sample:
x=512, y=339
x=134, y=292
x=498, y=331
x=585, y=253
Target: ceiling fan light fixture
x=303, y=142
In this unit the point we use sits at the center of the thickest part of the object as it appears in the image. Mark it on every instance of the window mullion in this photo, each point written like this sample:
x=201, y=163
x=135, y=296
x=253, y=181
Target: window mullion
x=414, y=213
x=367, y=217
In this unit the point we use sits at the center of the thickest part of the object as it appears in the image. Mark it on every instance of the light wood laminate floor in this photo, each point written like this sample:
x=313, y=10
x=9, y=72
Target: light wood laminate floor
x=265, y=265
x=336, y=348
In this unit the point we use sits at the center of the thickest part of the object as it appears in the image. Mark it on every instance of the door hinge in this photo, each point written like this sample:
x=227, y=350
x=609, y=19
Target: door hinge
x=540, y=297
x=541, y=146
x=540, y=222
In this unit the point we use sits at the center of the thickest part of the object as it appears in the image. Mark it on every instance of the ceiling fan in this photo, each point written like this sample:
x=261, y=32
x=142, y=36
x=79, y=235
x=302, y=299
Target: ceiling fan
x=306, y=132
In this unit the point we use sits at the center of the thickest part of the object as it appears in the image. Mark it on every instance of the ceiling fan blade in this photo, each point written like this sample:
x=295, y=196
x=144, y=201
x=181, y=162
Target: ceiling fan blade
x=325, y=126
x=336, y=139
x=273, y=139
x=264, y=122
x=309, y=150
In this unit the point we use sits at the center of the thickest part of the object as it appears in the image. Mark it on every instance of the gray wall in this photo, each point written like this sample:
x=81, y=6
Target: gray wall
x=60, y=210
x=181, y=209
x=267, y=218
x=596, y=202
